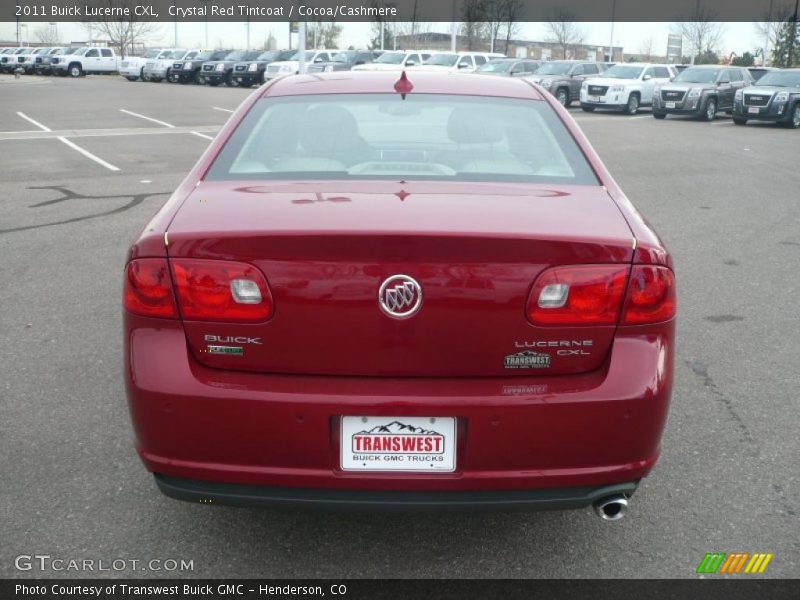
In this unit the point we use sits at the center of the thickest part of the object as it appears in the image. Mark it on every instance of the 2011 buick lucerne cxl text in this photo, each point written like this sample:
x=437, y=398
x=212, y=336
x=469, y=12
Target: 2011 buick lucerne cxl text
x=376, y=290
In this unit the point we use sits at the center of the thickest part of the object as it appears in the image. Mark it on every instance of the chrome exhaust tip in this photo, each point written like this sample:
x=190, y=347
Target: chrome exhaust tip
x=612, y=508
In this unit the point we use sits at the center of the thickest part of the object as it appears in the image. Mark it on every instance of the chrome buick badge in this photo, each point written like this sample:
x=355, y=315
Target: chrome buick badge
x=400, y=296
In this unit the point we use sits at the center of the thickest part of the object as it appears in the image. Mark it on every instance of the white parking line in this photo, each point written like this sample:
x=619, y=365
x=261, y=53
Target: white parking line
x=39, y=125
x=202, y=135
x=133, y=114
x=88, y=154
x=227, y=110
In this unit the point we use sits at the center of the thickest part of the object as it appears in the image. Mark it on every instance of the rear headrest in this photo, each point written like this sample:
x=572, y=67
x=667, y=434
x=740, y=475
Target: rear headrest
x=468, y=125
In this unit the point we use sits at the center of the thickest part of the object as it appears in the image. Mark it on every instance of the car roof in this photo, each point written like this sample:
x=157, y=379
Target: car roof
x=372, y=82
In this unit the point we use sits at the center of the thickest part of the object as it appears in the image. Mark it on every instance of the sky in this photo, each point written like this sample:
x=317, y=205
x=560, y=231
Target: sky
x=737, y=37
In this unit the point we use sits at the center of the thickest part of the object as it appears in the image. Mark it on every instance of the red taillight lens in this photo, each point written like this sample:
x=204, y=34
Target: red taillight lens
x=651, y=296
x=148, y=290
x=217, y=290
x=578, y=295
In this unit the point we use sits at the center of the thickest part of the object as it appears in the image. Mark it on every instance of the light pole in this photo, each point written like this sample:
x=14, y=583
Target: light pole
x=453, y=29
x=301, y=46
x=611, y=40
x=25, y=27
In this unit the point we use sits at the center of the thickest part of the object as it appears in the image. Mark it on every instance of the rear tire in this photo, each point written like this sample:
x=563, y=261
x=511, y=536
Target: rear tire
x=739, y=121
x=659, y=115
x=587, y=108
x=632, y=107
x=562, y=95
x=709, y=110
x=213, y=83
x=229, y=81
x=131, y=78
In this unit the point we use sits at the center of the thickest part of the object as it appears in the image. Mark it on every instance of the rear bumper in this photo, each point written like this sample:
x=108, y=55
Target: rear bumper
x=282, y=431
x=249, y=495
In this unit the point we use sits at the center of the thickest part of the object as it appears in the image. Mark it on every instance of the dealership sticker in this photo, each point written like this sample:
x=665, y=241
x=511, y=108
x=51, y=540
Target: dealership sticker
x=527, y=359
x=398, y=444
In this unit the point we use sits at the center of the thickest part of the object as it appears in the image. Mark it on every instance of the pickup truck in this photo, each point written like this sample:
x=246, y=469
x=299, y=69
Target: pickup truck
x=86, y=60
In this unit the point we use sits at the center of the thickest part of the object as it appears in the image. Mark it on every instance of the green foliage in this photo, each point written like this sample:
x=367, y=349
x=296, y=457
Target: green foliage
x=787, y=50
x=745, y=60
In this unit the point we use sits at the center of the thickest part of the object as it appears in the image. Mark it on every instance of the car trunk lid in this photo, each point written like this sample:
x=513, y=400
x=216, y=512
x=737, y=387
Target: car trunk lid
x=326, y=247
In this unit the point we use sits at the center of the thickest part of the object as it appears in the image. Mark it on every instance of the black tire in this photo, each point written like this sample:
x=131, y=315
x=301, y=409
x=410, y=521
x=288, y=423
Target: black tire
x=246, y=84
x=739, y=121
x=632, y=106
x=709, y=110
x=794, y=117
x=213, y=83
x=131, y=78
x=659, y=115
x=562, y=95
x=229, y=81
x=587, y=108
x=75, y=70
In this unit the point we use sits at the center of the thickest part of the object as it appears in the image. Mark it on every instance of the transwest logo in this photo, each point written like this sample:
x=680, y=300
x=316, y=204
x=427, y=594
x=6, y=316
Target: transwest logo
x=398, y=437
x=734, y=563
x=527, y=360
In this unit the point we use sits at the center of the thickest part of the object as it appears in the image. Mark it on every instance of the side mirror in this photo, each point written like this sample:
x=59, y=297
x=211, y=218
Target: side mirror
x=411, y=63
x=359, y=62
x=463, y=66
x=318, y=59
x=647, y=78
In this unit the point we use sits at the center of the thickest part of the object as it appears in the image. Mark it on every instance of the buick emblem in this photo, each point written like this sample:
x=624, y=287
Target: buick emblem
x=400, y=296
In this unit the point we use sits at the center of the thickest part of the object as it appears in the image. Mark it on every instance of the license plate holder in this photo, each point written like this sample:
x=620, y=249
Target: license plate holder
x=670, y=105
x=753, y=110
x=398, y=444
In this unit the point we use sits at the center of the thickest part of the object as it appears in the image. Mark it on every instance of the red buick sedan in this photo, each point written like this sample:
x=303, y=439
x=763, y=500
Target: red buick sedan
x=402, y=293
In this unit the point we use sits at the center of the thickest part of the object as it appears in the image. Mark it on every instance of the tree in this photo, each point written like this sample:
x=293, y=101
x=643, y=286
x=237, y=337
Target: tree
x=122, y=33
x=501, y=15
x=707, y=58
x=322, y=35
x=745, y=60
x=474, y=25
x=646, y=48
x=769, y=28
x=564, y=32
x=787, y=47
x=47, y=35
x=700, y=28
x=512, y=11
x=375, y=40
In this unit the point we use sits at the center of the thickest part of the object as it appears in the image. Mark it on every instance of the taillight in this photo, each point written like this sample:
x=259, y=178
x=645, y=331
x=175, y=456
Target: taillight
x=217, y=290
x=578, y=295
x=651, y=296
x=147, y=290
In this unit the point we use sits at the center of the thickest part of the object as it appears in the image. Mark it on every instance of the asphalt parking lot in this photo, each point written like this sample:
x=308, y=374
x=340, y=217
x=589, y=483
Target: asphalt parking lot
x=82, y=168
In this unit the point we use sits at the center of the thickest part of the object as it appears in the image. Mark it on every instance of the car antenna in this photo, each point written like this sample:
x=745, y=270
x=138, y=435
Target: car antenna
x=403, y=86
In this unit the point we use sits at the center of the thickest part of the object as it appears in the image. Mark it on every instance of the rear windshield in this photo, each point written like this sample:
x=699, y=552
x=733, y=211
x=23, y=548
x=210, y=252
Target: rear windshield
x=497, y=66
x=391, y=58
x=382, y=136
x=693, y=75
x=623, y=72
x=444, y=60
x=781, y=79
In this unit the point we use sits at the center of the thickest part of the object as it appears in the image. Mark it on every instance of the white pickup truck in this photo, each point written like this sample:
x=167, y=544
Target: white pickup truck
x=89, y=59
